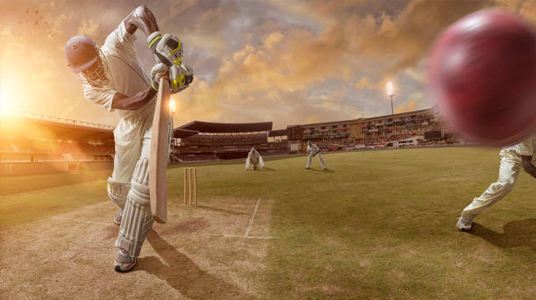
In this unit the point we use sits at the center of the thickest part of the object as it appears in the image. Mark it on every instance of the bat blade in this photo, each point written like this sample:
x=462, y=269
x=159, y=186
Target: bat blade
x=159, y=154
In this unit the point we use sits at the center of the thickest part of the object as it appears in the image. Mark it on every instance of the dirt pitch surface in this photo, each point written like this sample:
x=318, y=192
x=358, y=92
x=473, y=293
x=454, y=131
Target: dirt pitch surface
x=376, y=225
x=70, y=256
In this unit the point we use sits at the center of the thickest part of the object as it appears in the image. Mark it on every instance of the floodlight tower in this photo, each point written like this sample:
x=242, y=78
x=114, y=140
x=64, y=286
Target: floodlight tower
x=390, y=93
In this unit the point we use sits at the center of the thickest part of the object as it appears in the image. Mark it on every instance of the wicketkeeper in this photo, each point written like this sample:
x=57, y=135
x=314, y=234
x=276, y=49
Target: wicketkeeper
x=313, y=150
x=114, y=77
x=254, y=157
x=513, y=158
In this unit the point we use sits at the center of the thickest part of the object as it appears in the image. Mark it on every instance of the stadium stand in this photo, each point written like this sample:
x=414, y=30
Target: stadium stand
x=408, y=129
x=34, y=144
x=208, y=141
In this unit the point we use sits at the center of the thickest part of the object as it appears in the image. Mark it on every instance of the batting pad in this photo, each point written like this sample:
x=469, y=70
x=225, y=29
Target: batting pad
x=137, y=219
x=118, y=191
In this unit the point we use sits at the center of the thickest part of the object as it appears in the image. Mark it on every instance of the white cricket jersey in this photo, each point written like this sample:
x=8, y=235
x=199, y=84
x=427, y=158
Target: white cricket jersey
x=511, y=148
x=254, y=156
x=528, y=146
x=313, y=148
x=126, y=73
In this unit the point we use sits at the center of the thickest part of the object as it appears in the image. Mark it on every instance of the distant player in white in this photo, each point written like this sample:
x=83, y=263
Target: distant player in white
x=513, y=158
x=114, y=77
x=254, y=157
x=313, y=150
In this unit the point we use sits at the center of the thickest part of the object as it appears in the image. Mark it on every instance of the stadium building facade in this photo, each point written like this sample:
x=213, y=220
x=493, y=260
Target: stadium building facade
x=35, y=144
x=365, y=131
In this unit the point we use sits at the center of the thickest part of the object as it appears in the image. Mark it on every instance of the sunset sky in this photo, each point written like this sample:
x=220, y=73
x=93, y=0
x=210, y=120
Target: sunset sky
x=290, y=62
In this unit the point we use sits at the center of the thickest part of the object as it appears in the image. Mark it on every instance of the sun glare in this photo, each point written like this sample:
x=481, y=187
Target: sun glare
x=5, y=105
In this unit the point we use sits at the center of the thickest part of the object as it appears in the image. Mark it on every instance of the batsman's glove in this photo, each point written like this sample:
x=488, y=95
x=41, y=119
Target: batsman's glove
x=180, y=77
x=157, y=72
x=166, y=48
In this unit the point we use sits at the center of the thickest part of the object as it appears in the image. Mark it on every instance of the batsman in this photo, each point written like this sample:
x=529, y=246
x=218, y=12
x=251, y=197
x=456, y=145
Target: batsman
x=114, y=77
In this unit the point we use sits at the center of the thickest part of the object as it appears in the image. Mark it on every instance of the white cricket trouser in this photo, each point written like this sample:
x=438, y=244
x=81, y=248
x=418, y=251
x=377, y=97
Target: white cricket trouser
x=310, y=158
x=132, y=151
x=508, y=172
x=132, y=142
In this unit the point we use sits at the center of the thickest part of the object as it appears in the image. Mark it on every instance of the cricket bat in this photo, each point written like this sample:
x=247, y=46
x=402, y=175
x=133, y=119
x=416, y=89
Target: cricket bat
x=159, y=154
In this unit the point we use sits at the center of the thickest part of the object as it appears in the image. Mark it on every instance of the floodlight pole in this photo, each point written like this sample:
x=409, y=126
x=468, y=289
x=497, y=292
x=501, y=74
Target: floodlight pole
x=391, y=96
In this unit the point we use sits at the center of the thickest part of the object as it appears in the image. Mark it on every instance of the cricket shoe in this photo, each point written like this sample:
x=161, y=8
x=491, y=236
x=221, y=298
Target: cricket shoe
x=464, y=225
x=118, y=217
x=124, y=262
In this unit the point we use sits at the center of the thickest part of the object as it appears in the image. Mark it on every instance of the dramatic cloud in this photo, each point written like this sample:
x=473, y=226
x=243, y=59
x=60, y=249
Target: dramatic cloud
x=406, y=106
x=283, y=61
x=364, y=83
x=89, y=28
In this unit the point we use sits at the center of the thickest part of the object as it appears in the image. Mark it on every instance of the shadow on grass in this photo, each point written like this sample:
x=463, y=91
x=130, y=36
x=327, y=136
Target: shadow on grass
x=323, y=171
x=236, y=161
x=227, y=211
x=184, y=275
x=261, y=170
x=516, y=234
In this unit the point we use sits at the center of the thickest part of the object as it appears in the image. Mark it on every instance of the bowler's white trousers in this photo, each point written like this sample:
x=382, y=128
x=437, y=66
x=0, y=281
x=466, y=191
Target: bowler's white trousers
x=509, y=170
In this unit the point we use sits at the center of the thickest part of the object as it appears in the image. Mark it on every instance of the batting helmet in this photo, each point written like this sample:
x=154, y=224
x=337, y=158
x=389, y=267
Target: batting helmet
x=82, y=52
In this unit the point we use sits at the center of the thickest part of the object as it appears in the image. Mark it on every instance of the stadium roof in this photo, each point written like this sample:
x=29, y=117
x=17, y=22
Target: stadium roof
x=328, y=123
x=361, y=120
x=279, y=132
x=183, y=133
x=52, y=127
x=402, y=114
x=210, y=127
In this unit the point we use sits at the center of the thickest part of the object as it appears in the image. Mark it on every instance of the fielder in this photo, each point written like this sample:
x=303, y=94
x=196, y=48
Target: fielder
x=114, y=77
x=254, y=157
x=513, y=158
x=313, y=150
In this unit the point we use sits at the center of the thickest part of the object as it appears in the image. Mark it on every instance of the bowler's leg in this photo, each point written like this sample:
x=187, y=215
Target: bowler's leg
x=508, y=172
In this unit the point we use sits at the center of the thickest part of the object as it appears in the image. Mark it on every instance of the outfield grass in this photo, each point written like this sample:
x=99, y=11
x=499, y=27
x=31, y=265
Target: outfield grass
x=376, y=225
x=21, y=184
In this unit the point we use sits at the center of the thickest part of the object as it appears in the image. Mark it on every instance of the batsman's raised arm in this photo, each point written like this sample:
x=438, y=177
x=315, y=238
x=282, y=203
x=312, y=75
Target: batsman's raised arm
x=143, y=19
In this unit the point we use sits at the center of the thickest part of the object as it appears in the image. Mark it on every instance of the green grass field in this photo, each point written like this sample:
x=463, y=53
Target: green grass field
x=376, y=225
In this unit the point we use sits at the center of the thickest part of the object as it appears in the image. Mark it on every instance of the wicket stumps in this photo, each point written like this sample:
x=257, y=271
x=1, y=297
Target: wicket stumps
x=190, y=186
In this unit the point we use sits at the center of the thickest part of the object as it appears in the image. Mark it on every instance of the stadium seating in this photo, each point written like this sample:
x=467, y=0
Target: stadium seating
x=38, y=145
